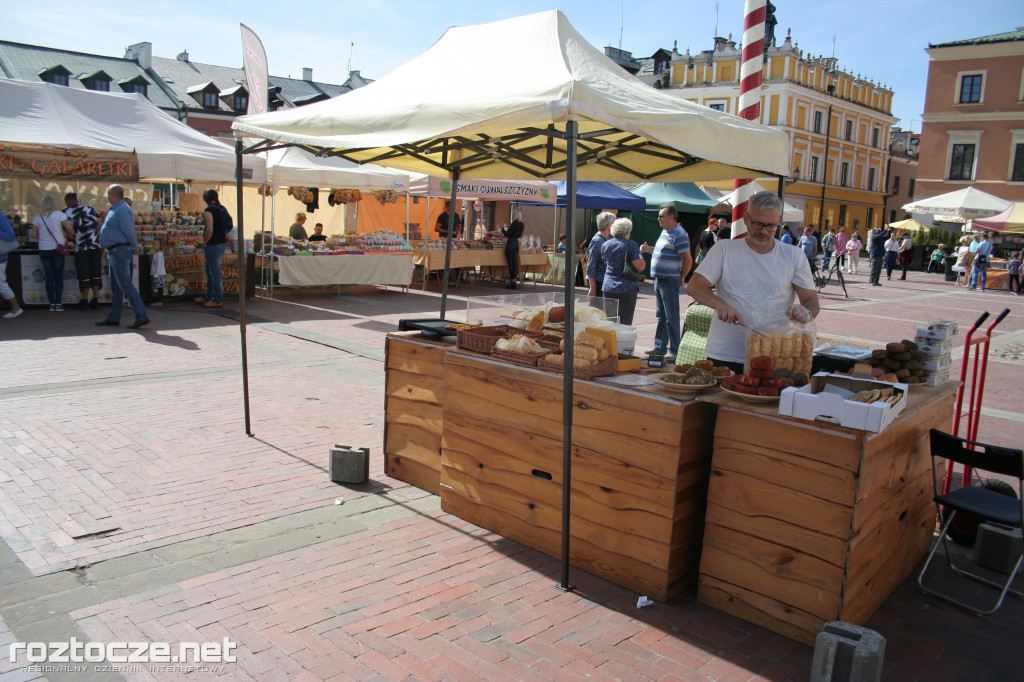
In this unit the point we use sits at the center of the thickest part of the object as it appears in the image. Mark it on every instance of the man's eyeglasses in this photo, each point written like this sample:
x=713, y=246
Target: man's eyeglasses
x=766, y=227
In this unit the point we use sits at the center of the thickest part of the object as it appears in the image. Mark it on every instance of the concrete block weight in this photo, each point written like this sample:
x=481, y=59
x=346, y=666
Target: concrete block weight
x=997, y=547
x=847, y=653
x=349, y=464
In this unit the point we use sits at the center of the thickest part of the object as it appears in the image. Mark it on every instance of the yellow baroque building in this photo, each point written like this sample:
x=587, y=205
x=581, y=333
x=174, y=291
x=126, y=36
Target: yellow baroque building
x=838, y=125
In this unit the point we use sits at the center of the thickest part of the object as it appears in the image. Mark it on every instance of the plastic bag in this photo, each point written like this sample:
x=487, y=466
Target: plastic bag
x=788, y=342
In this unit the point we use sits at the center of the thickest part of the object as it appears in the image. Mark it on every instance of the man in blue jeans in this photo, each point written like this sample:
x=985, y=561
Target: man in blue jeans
x=669, y=264
x=979, y=271
x=214, y=242
x=118, y=237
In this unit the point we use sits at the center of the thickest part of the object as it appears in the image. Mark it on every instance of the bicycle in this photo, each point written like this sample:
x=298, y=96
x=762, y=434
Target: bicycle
x=822, y=280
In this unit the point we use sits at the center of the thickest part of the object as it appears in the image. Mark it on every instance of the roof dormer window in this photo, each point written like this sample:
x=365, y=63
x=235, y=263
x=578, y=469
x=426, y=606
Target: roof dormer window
x=137, y=84
x=236, y=98
x=58, y=75
x=206, y=95
x=98, y=81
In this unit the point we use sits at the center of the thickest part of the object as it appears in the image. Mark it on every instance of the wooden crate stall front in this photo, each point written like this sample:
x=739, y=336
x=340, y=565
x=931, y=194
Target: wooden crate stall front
x=640, y=461
x=640, y=469
x=414, y=392
x=809, y=523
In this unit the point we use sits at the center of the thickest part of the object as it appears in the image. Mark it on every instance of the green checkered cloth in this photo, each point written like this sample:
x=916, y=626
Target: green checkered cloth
x=693, y=345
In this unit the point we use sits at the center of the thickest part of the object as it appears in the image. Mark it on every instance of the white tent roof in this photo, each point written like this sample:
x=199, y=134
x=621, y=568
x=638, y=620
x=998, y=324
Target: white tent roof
x=294, y=167
x=790, y=213
x=964, y=203
x=494, y=93
x=54, y=116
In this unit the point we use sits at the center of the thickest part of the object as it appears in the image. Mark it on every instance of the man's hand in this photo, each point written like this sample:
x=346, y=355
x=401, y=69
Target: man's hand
x=798, y=313
x=726, y=313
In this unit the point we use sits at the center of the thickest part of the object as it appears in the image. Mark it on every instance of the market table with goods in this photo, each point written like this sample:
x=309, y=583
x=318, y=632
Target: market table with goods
x=382, y=257
x=487, y=254
x=804, y=501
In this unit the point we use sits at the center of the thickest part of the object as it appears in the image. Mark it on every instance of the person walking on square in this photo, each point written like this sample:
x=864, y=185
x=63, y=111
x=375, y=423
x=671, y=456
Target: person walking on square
x=53, y=230
x=979, y=270
x=88, y=252
x=809, y=245
x=841, y=241
x=892, y=254
x=7, y=235
x=876, y=252
x=158, y=271
x=724, y=229
x=595, y=263
x=118, y=237
x=1014, y=267
x=707, y=239
x=671, y=260
x=853, y=249
x=828, y=246
x=615, y=251
x=218, y=224
x=906, y=251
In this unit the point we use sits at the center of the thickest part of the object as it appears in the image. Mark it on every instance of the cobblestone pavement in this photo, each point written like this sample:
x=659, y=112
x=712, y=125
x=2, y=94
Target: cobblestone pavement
x=134, y=507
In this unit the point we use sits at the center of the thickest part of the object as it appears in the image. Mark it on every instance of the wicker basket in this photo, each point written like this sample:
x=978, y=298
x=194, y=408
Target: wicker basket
x=482, y=339
x=524, y=359
x=604, y=368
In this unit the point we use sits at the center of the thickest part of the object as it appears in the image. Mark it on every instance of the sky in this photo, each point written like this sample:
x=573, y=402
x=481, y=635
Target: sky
x=883, y=41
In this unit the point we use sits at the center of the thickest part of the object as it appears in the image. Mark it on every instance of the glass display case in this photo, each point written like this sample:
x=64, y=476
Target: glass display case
x=517, y=308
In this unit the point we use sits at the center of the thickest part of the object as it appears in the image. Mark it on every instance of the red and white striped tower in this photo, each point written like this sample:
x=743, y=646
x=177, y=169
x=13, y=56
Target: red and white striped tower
x=750, y=96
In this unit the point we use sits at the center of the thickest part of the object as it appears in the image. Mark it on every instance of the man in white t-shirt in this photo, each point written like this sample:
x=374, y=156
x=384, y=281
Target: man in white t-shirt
x=754, y=278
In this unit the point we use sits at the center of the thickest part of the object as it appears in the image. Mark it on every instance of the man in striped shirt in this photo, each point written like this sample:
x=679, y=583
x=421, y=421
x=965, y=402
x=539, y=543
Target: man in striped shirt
x=671, y=260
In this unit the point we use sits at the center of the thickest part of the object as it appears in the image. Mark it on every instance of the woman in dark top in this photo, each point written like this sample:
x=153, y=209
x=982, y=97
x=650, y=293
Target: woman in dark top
x=615, y=252
x=512, y=234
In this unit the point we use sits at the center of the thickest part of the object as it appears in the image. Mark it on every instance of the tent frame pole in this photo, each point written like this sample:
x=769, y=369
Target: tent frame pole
x=241, y=285
x=571, y=136
x=448, y=243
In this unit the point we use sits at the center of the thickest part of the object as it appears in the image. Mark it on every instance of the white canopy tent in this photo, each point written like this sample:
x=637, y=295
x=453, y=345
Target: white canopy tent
x=518, y=81
x=528, y=98
x=294, y=167
x=52, y=116
x=963, y=204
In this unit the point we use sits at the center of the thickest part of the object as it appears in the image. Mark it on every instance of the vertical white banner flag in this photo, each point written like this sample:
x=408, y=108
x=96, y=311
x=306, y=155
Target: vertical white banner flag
x=254, y=61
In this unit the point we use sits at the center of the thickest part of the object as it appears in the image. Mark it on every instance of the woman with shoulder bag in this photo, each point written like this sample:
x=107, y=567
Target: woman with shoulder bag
x=619, y=252
x=52, y=230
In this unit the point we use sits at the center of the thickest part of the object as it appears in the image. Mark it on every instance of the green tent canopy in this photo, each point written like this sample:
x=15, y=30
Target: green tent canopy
x=688, y=197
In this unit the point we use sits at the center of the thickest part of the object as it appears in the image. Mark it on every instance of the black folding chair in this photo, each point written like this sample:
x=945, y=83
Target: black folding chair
x=985, y=504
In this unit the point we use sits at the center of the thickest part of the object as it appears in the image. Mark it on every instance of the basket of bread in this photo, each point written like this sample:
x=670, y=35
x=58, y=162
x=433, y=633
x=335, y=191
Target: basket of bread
x=520, y=349
x=591, y=358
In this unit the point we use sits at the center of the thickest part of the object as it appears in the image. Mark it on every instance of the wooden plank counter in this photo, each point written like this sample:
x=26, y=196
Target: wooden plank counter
x=488, y=436
x=808, y=523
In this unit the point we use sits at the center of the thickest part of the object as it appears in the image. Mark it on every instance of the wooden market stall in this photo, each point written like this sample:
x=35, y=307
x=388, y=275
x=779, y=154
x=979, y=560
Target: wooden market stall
x=486, y=437
x=805, y=522
x=808, y=522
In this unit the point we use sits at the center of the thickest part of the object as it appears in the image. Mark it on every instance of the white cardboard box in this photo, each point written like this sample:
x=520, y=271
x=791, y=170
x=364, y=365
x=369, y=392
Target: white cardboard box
x=938, y=332
x=934, y=347
x=933, y=363
x=814, y=403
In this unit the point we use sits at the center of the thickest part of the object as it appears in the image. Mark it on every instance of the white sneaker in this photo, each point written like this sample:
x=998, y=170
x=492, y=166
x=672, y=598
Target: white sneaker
x=58, y=308
x=11, y=315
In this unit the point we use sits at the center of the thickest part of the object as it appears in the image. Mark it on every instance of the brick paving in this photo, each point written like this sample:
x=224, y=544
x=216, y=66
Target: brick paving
x=136, y=443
